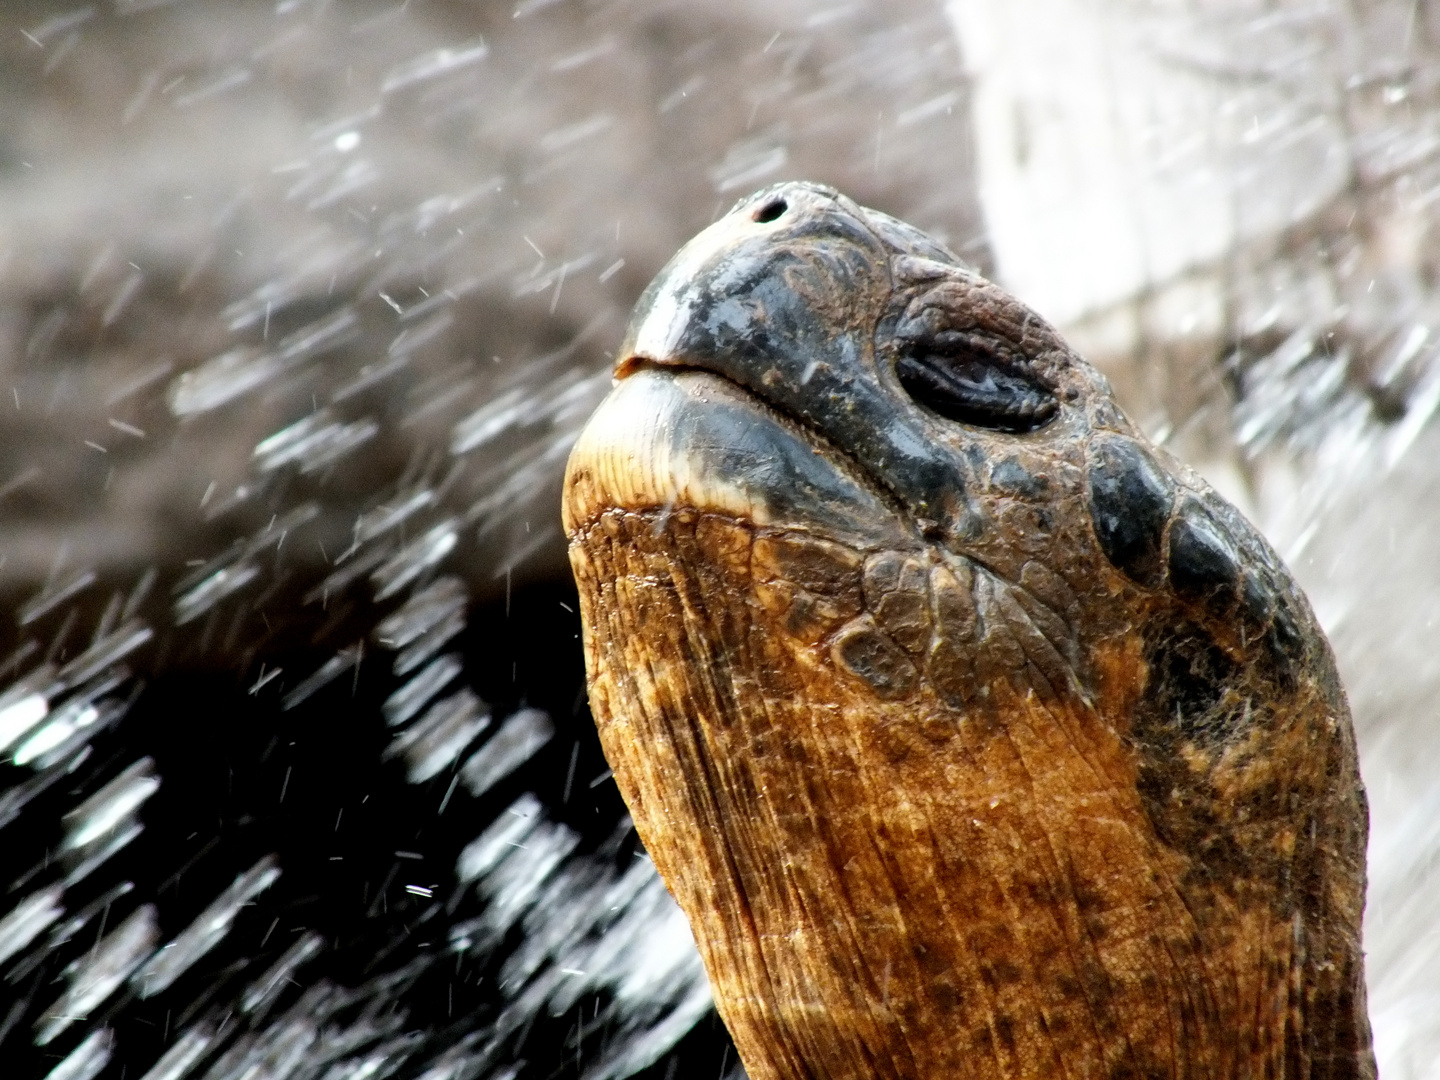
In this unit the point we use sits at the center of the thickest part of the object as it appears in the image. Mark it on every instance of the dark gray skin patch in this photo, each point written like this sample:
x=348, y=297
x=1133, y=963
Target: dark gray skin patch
x=1202, y=559
x=823, y=568
x=1268, y=615
x=1012, y=478
x=950, y=666
x=1285, y=639
x=1257, y=599
x=1130, y=498
x=862, y=649
x=896, y=595
x=1188, y=677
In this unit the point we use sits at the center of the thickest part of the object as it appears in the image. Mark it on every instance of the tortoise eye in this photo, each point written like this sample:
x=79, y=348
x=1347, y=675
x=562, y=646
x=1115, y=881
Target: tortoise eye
x=974, y=386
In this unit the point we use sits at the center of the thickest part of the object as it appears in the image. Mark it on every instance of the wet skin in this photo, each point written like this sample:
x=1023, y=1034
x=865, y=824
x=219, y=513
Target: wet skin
x=975, y=735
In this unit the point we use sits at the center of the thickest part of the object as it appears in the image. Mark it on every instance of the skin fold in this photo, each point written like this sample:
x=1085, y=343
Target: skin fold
x=975, y=735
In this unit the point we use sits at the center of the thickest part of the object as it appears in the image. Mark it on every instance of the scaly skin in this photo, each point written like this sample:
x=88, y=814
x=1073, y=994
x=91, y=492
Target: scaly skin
x=975, y=736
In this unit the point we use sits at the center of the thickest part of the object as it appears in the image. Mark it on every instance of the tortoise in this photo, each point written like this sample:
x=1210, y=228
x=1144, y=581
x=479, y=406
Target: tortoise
x=975, y=735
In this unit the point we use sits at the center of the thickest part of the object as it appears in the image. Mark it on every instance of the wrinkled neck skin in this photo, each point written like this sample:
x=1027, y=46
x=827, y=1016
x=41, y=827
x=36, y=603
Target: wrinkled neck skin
x=975, y=736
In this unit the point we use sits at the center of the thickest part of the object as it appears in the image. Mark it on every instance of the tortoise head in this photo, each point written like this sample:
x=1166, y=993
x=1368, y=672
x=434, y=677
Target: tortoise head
x=858, y=533
x=880, y=394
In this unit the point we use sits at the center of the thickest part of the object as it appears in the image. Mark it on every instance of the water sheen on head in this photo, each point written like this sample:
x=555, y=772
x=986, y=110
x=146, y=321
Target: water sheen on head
x=975, y=735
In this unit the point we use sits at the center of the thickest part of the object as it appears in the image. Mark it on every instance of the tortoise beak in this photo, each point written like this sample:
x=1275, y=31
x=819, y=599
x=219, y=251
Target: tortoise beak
x=677, y=297
x=704, y=303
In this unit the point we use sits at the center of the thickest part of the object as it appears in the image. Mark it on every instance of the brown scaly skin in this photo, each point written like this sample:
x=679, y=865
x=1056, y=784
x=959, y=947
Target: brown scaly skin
x=975, y=735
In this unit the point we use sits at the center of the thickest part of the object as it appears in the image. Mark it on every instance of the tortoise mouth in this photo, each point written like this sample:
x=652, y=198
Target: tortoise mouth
x=672, y=435
x=767, y=409
x=680, y=365
x=822, y=448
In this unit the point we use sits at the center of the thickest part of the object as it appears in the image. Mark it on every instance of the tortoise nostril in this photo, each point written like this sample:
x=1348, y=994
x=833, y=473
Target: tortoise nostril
x=770, y=211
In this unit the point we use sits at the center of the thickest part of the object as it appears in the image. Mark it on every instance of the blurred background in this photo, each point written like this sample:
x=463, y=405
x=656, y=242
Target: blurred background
x=301, y=306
